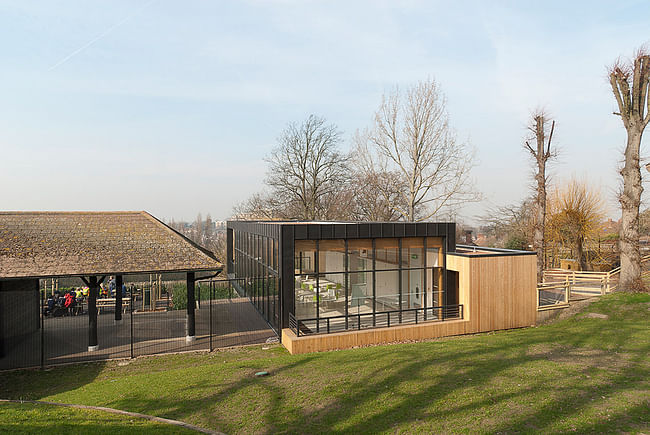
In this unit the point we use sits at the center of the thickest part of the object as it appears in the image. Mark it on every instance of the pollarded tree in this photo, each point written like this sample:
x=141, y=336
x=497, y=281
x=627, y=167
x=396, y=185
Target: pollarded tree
x=542, y=152
x=630, y=82
x=412, y=139
x=306, y=168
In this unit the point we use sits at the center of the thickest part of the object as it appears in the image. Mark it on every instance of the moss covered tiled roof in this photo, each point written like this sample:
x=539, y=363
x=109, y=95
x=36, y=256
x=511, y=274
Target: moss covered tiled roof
x=40, y=244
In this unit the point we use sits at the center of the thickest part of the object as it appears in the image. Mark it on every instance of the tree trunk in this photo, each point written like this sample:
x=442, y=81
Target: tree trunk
x=540, y=201
x=540, y=216
x=580, y=254
x=630, y=199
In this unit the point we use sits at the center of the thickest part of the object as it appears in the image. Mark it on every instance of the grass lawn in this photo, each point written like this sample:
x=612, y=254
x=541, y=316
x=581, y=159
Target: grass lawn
x=26, y=418
x=581, y=374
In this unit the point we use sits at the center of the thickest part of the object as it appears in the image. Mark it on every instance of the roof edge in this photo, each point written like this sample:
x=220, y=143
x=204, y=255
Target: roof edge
x=187, y=240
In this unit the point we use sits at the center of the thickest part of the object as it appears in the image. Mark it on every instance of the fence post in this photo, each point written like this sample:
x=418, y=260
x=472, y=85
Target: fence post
x=131, y=319
x=41, y=297
x=568, y=289
x=211, y=300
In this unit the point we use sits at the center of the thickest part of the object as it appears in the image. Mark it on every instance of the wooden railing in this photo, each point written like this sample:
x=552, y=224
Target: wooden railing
x=559, y=286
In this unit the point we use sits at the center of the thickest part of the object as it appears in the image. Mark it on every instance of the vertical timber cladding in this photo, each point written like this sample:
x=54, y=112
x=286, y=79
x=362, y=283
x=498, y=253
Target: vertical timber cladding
x=498, y=291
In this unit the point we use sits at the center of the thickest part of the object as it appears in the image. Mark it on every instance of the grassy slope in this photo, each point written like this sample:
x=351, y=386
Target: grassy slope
x=581, y=374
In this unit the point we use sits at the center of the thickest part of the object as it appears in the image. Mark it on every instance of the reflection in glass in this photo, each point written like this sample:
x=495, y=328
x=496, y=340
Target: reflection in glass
x=387, y=290
x=332, y=294
x=386, y=254
x=305, y=297
x=412, y=285
x=305, y=256
x=412, y=252
x=331, y=256
x=360, y=293
x=359, y=255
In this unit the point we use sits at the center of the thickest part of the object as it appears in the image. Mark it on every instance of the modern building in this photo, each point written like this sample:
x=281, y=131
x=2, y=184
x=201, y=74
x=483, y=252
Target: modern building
x=329, y=285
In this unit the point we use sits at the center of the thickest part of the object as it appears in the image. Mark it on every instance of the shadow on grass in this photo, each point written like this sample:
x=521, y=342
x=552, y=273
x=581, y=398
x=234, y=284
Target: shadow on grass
x=407, y=387
x=584, y=375
x=34, y=384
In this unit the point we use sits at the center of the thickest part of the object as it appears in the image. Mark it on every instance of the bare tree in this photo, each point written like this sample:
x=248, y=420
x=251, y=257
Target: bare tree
x=261, y=206
x=372, y=192
x=511, y=226
x=542, y=153
x=412, y=140
x=576, y=212
x=307, y=167
x=630, y=81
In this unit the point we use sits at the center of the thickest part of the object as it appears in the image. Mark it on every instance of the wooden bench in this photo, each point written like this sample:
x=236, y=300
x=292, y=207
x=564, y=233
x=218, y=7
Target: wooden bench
x=110, y=303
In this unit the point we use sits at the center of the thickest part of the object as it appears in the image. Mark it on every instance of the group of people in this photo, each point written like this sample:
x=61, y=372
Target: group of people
x=71, y=301
x=68, y=303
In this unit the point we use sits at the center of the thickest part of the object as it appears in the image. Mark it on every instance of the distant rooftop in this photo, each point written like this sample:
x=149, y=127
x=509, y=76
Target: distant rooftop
x=42, y=244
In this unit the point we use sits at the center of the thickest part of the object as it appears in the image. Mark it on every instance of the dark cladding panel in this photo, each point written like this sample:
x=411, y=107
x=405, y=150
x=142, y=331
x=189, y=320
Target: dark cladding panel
x=313, y=232
x=339, y=231
x=399, y=230
x=300, y=232
x=432, y=229
x=451, y=237
x=352, y=231
x=375, y=230
x=364, y=231
x=327, y=231
x=410, y=230
x=387, y=230
x=421, y=229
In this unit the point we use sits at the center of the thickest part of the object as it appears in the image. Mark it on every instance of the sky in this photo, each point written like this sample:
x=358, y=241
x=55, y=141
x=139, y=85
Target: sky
x=171, y=107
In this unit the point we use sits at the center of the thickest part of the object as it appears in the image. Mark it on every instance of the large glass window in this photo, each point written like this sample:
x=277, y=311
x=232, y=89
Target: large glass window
x=305, y=257
x=412, y=253
x=386, y=254
x=387, y=290
x=363, y=278
x=359, y=255
x=305, y=296
x=413, y=288
x=331, y=256
x=256, y=277
x=331, y=291
x=360, y=293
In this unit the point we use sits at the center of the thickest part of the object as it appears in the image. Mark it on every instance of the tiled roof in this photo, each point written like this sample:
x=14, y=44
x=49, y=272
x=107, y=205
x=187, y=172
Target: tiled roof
x=40, y=244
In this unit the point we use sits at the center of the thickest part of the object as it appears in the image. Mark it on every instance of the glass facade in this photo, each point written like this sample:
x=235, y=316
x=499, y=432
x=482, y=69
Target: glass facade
x=348, y=284
x=322, y=277
x=255, y=261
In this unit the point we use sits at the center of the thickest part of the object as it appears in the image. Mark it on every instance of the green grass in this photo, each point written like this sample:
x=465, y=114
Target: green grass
x=580, y=375
x=27, y=418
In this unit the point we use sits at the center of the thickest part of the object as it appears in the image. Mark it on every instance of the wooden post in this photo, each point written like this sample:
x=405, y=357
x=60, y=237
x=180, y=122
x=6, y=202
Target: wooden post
x=92, y=314
x=191, y=302
x=568, y=289
x=118, y=298
x=566, y=292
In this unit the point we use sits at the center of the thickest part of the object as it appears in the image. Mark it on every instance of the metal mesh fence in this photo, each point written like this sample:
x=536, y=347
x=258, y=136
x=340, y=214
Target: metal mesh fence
x=153, y=319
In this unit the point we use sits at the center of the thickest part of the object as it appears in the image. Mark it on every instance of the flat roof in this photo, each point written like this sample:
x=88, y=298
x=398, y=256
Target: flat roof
x=57, y=244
